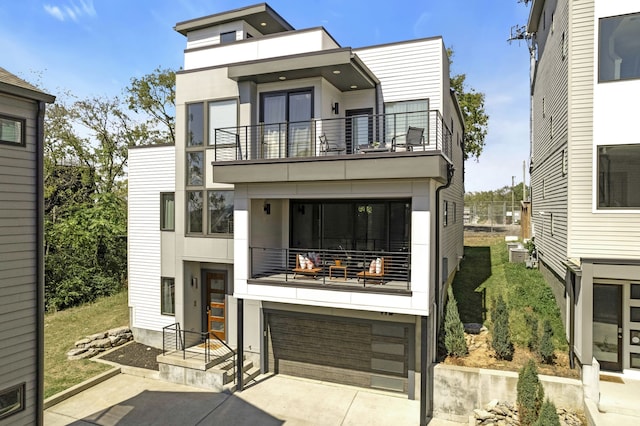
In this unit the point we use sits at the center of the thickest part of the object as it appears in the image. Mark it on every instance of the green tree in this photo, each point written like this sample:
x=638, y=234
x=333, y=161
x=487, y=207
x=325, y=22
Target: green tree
x=546, y=343
x=454, y=340
x=155, y=95
x=501, y=335
x=548, y=415
x=530, y=394
x=476, y=120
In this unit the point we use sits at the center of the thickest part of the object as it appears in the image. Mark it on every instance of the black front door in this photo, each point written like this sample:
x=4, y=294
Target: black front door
x=607, y=326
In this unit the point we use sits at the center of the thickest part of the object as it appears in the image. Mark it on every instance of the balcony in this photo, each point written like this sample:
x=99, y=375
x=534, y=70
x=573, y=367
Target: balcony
x=338, y=270
x=363, y=135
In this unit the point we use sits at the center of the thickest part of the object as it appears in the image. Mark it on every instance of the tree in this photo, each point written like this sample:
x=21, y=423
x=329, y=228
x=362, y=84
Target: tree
x=454, y=340
x=501, y=336
x=548, y=415
x=546, y=343
x=155, y=95
x=530, y=394
x=476, y=120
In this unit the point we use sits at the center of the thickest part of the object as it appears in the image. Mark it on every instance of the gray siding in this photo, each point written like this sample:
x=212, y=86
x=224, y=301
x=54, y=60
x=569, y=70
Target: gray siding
x=18, y=261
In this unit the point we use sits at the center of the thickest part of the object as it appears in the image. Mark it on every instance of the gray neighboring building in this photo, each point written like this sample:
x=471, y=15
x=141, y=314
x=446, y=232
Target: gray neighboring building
x=585, y=81
x=22, y=109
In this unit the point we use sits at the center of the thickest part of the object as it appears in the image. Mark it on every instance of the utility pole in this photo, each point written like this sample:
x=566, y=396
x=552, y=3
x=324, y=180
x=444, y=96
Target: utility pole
x=513, y=211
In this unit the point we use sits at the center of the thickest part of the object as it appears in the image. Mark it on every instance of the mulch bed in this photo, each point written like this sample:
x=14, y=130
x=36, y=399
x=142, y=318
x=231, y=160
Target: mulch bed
x=135, y=354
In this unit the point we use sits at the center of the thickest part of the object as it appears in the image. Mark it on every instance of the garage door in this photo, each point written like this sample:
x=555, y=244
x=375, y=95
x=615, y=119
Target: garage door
x=356, y=352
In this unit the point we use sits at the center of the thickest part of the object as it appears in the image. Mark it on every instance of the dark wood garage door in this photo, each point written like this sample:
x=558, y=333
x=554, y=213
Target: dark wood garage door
x=343, y=350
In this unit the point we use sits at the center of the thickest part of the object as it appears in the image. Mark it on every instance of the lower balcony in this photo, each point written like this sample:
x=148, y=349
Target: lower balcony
x=339, y=270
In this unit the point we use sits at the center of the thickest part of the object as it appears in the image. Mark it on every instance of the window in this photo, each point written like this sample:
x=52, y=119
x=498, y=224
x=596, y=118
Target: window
x=455, y=215
x=401, y=115
x=227, y=37
x=223, y=115
x=12, y=130
x=635, y=314
x=563, y=45
x=563, y=165
x=618, y=54
x=618, y=176
x=12, y=400
x=195, y=171
x=551, y=127
x=194, y=212
x=220, y=212
x=635, y=291
x=445, y=213
x=551, y=226
x=167, y=211
x=544, y=112
x=168, y=296
x=195, y=125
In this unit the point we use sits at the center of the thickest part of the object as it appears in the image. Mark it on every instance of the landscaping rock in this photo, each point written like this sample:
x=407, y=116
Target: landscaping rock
x=119, y=331
x=87, y=354
x=82, y=343
x=76, y=352
x=505, y=414
x=97, y=336
x=100, y=342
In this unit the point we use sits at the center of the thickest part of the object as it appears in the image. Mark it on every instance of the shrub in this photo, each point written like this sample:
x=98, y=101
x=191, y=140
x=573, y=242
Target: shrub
x=546, y=343
x=531, y=322
x=454, y=340
x=501, y=337
x=530, y=394
x=548, y=415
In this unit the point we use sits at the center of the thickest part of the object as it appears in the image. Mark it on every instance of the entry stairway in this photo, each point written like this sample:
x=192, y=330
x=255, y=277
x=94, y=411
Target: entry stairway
x=617, y=405
x=218, y=373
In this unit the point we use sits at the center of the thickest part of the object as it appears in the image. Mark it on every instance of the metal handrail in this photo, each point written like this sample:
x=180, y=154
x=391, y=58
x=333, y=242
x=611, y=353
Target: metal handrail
x=348, y=135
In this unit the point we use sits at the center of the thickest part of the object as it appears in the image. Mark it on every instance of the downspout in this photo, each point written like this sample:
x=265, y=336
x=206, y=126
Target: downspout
x=436, y=312
x=40, y=262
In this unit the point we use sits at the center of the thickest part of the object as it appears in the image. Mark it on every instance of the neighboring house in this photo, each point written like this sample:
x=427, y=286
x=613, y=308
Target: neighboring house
x=22, y=109
x=585, y=154
x=311, y=212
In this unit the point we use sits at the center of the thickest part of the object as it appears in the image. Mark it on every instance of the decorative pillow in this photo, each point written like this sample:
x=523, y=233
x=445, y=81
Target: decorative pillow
x=378, y=265
x=302, y=261
x=309, y=264
x=372, y=267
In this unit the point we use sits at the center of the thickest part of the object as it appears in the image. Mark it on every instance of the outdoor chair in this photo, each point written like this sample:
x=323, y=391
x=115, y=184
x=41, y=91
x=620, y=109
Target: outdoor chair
x=414, y=137
x=328, y=146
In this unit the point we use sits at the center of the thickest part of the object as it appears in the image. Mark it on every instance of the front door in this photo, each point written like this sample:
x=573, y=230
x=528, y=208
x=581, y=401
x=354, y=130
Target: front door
x=359, y=128
x=216, y=304
x=607, y=326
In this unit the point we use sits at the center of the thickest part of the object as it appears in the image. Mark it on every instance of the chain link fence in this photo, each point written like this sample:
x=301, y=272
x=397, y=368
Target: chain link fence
x=492, y=213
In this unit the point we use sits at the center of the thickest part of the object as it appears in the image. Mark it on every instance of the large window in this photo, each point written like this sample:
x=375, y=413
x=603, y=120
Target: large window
x=351, y=225
x=12, y=400
x=167, y=211
x=168, y=296
x=194, y=212
x=619, y=48
x=401, y=115
x=220, y=212
x=12, y=130
x=618, y=176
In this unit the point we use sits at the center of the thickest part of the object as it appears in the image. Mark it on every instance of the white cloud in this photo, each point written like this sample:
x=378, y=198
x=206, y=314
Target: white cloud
x=421, y=26
x=73, y=11
x=54, y=11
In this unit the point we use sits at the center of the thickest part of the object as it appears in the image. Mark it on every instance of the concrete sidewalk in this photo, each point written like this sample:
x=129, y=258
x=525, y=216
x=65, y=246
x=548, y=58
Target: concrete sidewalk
x=275, y=400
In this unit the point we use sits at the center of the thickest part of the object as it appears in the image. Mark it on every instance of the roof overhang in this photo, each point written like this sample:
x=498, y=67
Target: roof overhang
x=341, y=67
x=534, y=16
x=13, y=85
x=260, y=16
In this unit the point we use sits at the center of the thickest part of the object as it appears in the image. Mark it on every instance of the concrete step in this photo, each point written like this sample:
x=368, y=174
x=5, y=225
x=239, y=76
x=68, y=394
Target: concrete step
x=248, y=376
x=620, y=398
x=228, y=372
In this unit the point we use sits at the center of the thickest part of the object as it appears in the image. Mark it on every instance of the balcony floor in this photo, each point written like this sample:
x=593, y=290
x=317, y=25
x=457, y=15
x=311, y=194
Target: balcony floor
x=336, y=283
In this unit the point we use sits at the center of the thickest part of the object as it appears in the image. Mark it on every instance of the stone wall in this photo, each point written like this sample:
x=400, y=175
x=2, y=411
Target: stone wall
x=100, y=342
x=460, y=390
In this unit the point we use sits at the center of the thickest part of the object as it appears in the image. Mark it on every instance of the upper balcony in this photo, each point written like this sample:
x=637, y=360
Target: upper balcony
x=420, y=137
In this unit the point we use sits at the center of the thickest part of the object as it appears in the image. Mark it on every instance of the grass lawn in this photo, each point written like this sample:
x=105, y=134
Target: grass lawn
x=62, y=329
x=486, y=273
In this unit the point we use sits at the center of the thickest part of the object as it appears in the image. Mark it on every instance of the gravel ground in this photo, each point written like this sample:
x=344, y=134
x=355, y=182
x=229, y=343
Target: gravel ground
x=134, y=354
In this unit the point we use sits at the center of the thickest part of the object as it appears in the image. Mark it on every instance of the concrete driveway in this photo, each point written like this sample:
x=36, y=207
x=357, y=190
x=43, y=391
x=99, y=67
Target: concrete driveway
x=276, y=400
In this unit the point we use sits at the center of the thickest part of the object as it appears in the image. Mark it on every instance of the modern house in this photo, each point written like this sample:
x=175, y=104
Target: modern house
x=22, y=109
x=310, y=213
x=585, y=77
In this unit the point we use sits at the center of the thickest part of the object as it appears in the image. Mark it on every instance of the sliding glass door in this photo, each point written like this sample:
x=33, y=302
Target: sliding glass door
x=287, y=124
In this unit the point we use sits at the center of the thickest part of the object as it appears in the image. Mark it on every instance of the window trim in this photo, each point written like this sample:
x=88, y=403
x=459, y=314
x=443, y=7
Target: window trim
x=20, y=389
x=163, y=310
x=23, y=132
x=208, y=229
x=163, y=225
x=596, y=184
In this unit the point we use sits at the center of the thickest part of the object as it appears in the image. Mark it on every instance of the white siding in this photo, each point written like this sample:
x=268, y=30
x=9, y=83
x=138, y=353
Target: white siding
x=596, y=233
x=151, y=171
x=18, y=261
x=408, y=70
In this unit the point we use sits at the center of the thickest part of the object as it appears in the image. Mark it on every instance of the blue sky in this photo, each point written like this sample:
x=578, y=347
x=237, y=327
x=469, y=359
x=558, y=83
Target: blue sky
x=94, y=47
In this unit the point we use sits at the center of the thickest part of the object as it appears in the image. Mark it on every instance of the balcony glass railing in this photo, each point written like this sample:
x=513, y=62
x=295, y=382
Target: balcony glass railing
x=332, y=269
x=356, y=135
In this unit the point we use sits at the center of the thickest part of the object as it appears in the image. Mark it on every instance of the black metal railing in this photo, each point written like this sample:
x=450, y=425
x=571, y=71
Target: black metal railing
x=334, y=136
x=356, y=269
x=202, y=346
